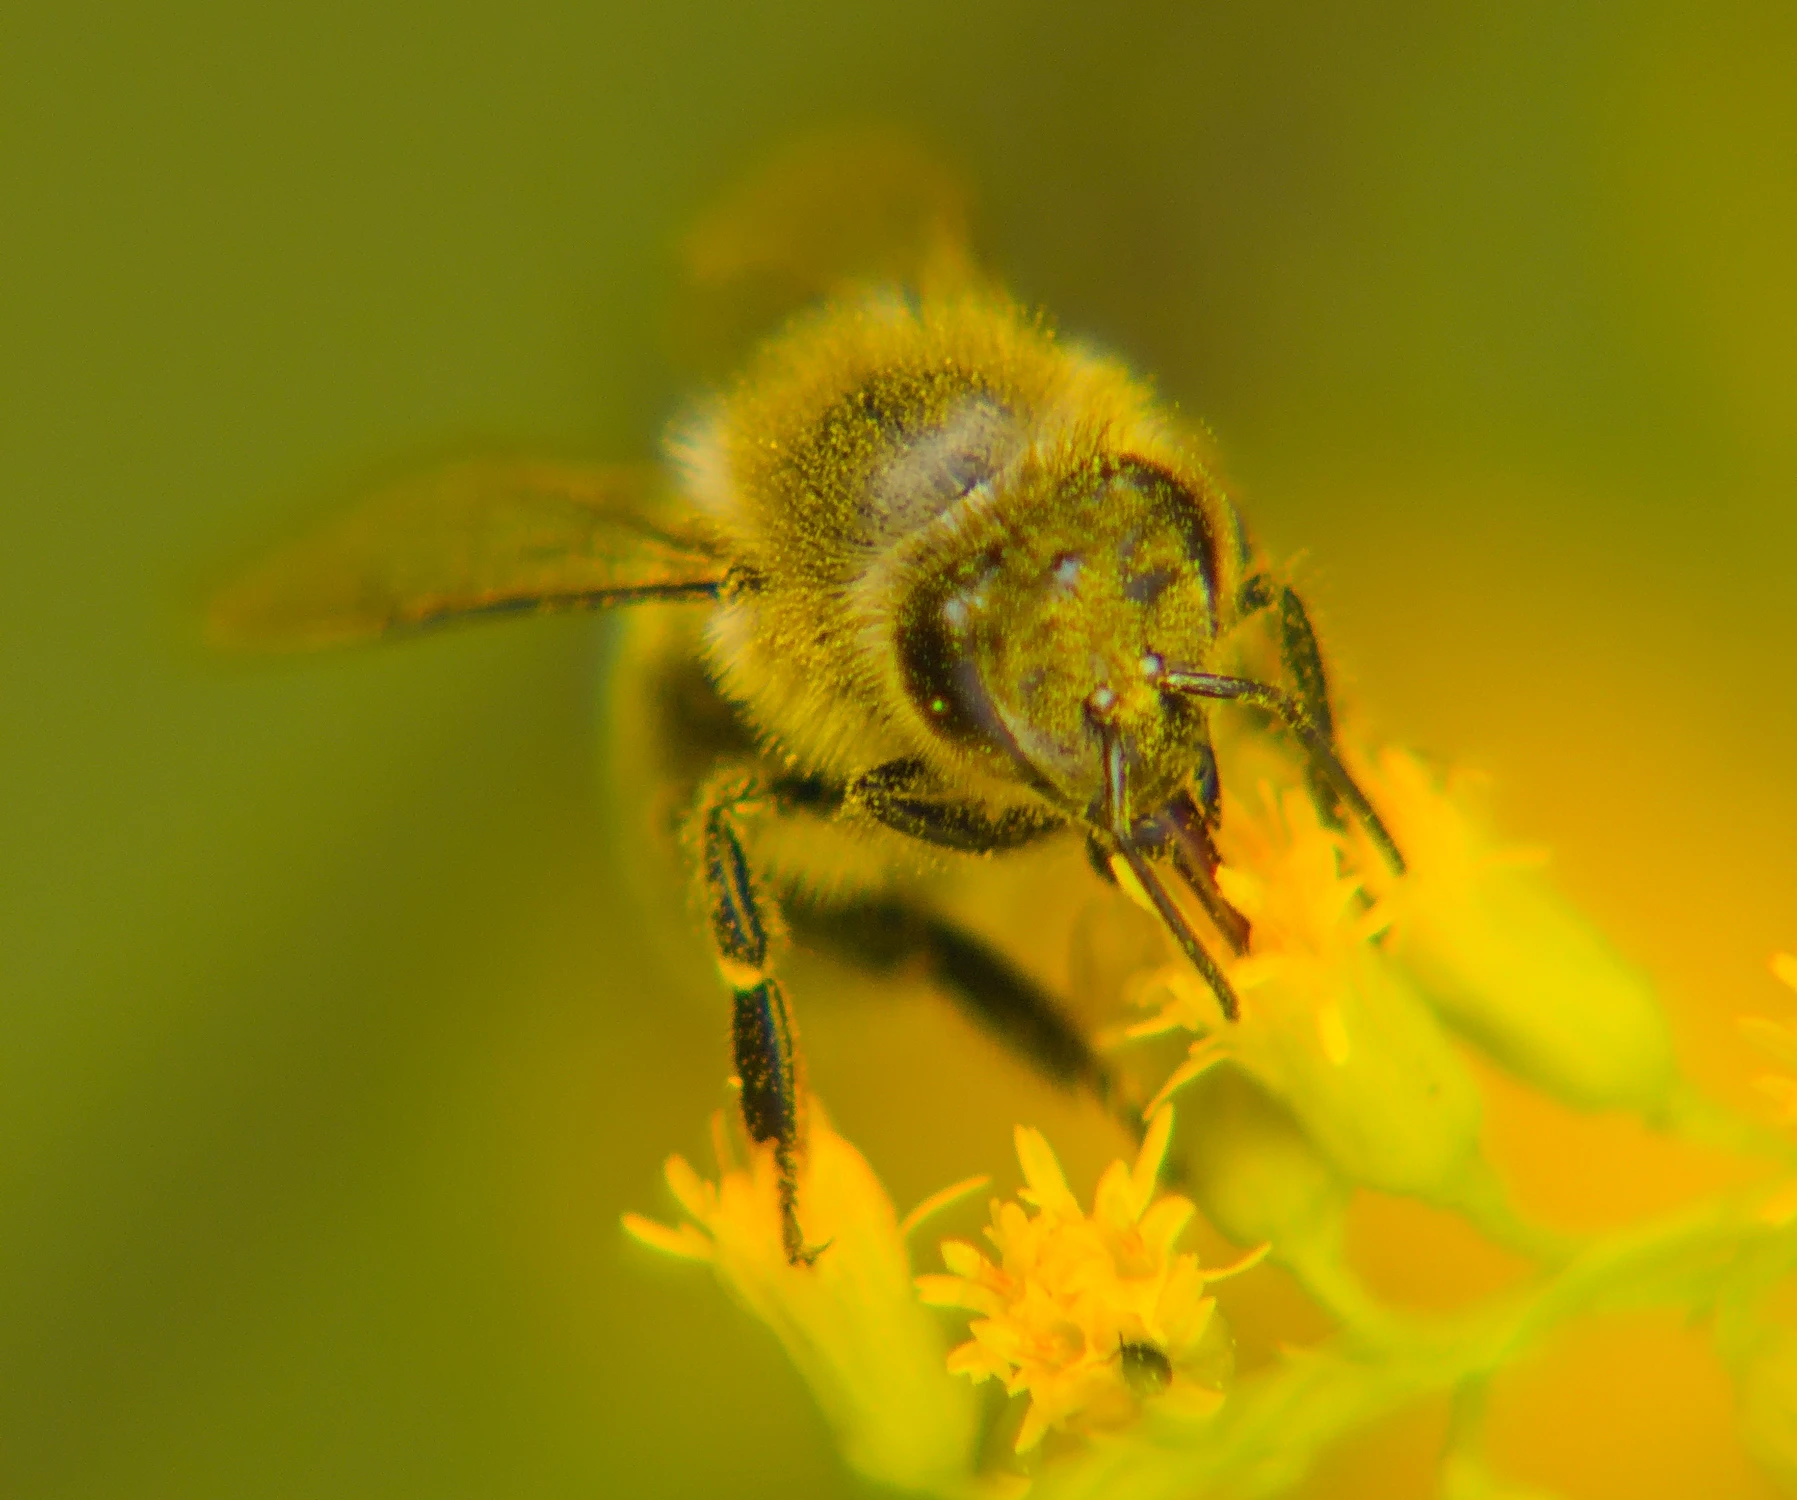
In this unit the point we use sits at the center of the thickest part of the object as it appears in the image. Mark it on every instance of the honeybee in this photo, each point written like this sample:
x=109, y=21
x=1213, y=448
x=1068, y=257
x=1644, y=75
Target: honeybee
x=956, y=589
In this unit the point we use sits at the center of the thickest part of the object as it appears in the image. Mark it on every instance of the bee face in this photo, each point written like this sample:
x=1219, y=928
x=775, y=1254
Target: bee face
x=1084, y=583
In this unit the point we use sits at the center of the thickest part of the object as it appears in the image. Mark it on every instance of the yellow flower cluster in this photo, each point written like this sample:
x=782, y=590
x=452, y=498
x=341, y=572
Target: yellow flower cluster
x=851, y=1323
x=1092, y=1316
x=1361, y=992
x=1329, y=1024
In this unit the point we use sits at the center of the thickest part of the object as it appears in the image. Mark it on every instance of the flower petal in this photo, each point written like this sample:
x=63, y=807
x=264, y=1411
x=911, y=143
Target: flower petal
x=940, y=1200
x=1149, y=1160
x=683, y=1240
x=965, y=1260
x=952, y=1291
x=1114, y=1200
x=973, y=1359
x=691, y=1191
x=1163, y=1224
x=1041, y=1170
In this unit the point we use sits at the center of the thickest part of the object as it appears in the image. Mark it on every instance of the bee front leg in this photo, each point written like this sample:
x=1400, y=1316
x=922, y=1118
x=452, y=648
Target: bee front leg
x=765, y=1050
x=1303, y=662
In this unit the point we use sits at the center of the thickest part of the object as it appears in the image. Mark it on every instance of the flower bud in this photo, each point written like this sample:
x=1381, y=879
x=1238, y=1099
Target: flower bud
x=1507, y=961
x=1328, y=1025
x=1362, y=1063
x=851, y=1322
x=1260, y=1180
x=1256, y=1175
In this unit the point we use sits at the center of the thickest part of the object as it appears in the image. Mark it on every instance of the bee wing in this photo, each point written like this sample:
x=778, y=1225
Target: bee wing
x=475, y=539
x=827, y=213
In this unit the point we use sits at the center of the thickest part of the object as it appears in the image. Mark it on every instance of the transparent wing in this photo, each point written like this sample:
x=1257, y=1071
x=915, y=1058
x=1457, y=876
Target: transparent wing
x=828, y=212
x=475, y=539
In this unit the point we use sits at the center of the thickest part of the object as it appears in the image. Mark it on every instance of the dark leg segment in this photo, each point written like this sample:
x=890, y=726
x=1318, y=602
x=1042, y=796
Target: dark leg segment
x=904, y=796
x=1304, y=666
x=1306, y=711
x=1004, y=1001
x=767, y=1059
x=1304, y=663
x=1290, y=712
x=767, y=1065
x=1122, y=828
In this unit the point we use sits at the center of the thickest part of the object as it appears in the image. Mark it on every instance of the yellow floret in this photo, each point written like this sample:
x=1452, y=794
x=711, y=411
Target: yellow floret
x=1329, y=1025
x=1093, y=1316
x=851, y=1322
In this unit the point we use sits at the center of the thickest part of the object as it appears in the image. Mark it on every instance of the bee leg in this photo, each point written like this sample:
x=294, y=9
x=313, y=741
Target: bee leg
x=884, y=935
x=904, y=796
x=1304, y=668
x=1288, y=710
x=1303, y=663
x=765, y=1049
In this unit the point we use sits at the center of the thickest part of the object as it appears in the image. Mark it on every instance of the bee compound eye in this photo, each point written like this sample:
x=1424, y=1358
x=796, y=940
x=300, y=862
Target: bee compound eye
x=939, y=665
x=1161, y=499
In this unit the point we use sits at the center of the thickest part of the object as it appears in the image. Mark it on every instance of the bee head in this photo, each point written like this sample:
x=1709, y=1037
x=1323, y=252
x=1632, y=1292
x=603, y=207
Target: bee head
x=1050, y=624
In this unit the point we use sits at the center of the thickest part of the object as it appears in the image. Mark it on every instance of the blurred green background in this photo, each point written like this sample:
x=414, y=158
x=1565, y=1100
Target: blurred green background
x=329, y=1051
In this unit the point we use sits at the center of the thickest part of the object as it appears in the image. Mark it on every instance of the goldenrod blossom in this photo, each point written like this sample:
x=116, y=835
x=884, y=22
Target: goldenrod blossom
x=1095, y=1317
x=852, y=1322
x=1328, y=1024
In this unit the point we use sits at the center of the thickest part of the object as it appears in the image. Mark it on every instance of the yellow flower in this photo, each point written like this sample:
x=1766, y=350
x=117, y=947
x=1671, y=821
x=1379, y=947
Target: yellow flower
x=851, y=1322
x=1329, y=1025
x=1096, y=1317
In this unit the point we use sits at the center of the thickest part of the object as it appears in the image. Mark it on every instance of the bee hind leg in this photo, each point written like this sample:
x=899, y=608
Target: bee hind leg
x=764, y=1046
x=883, y=935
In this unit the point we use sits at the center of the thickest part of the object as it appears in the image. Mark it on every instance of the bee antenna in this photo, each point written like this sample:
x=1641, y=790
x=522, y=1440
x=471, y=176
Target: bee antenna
x=1116, y=810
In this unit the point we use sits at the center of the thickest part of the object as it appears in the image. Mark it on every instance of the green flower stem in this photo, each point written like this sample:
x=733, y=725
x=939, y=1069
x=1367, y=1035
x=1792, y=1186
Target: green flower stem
x=1482, y=1200
x=1695, y=1117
